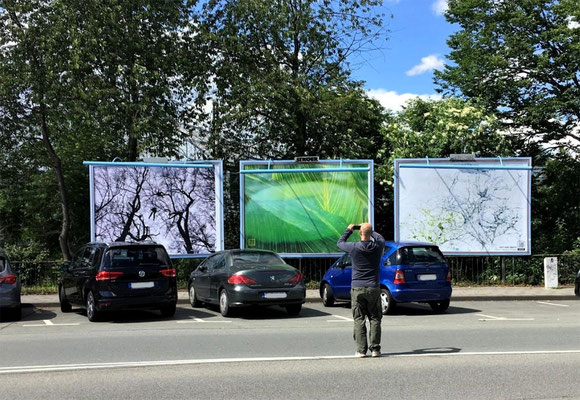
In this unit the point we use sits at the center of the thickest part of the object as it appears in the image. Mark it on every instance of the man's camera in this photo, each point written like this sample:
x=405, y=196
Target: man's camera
x=355, y=227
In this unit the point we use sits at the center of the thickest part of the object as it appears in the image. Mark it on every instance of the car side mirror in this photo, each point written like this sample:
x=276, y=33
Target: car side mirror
x=202, y=268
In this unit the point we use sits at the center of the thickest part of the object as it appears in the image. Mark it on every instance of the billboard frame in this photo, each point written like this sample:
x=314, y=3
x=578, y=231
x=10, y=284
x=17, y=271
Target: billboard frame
x=340, y=167
x=484, y=163
x=216, y=165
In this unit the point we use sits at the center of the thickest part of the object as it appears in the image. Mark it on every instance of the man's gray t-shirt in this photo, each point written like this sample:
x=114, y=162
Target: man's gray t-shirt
x=366, y=256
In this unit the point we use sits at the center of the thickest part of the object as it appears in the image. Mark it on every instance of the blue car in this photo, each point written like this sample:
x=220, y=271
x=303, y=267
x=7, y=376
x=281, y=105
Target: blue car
x=410, y=272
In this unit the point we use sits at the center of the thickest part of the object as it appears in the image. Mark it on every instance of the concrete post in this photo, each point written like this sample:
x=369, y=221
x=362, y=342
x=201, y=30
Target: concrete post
x=551, y=272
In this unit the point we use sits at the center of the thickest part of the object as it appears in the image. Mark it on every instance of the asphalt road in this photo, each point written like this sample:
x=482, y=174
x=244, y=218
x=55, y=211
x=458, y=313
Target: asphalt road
x=515, y=350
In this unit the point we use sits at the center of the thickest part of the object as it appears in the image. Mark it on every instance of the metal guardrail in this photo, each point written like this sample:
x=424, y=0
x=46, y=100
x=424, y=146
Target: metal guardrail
x=487, y=270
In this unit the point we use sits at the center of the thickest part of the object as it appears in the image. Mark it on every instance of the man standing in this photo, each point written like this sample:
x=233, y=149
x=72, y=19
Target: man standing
x=365, y=291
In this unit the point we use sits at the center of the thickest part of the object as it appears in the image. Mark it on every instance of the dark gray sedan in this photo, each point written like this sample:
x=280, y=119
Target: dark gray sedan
x=10, y=305
x=237, y=278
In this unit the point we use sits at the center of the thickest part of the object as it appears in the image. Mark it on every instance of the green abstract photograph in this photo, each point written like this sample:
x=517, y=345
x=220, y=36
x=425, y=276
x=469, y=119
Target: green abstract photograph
x=303, y=212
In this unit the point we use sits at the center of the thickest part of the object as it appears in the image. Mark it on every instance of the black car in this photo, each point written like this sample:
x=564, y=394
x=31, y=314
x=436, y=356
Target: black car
x=236, y=278
x=115, y=276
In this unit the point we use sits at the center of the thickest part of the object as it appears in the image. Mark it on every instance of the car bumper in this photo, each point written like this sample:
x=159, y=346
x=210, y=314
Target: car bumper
x=135, y=302
x=241, y=295
x=421, y=295
x=10, y=296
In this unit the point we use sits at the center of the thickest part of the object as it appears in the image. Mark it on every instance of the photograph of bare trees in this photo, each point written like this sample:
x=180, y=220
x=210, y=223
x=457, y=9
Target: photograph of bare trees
x=172, y=206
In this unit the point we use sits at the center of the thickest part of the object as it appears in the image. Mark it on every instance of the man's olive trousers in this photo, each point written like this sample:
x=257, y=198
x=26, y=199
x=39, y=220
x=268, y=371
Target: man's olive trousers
x=366, y=303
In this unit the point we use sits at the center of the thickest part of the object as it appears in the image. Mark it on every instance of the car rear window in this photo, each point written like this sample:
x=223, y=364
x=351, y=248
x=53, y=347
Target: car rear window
x=254, y=258
x=134, y=256
x=420, y=255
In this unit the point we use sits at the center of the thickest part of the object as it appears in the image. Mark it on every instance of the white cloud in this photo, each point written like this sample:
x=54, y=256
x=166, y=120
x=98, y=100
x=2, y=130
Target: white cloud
x=394, y=101
x=439, y=7
x=428, y=63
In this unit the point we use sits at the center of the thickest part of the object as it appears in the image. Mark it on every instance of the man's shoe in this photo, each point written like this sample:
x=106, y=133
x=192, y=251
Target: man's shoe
x=360, y=355
x=376, y=353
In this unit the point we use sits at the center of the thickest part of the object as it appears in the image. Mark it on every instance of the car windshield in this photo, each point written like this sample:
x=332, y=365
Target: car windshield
x=420, y=255
x=250, y=258
x=132, y=256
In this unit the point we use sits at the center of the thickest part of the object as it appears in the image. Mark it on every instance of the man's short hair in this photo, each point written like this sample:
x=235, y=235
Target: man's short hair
x=366, y=229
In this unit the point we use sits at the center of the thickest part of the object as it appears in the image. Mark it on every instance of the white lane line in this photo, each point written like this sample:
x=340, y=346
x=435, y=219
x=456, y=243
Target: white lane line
x=552, y=304
x=194, y=320
x=48, y=322
x=492, y=318
x=70, y=367
x=342, y=319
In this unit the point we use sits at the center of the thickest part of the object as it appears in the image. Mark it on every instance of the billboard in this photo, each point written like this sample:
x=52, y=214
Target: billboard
x=479, y=207
x=302, y=209
x=177, y=205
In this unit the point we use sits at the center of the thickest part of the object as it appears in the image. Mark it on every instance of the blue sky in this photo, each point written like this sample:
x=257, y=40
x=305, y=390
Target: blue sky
x=416, y=46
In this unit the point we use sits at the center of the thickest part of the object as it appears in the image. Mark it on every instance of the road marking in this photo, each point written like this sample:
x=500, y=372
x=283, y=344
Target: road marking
x=492, y=318
x=552, y=304
x=194, y=319
x=133, y=364
x=342, y=319
x=48, y=322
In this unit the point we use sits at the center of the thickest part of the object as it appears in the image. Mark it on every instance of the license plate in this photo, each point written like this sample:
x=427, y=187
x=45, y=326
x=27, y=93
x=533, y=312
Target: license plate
x=141, y=285
x=275, y=295
x=427, y=277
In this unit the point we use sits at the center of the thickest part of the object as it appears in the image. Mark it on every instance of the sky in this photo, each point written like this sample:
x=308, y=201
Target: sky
x=416, y=46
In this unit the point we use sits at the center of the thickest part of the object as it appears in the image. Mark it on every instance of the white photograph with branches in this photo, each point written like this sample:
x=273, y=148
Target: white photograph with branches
x=465, y=211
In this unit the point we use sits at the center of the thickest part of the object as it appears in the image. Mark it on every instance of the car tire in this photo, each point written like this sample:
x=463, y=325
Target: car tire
x=293, y=309
x=577, y=289
x=92, y=313
x=193, y=297
x=11, y=314
x=388, y=304
x=327, y=295
x=440, y=306
x=168, y=310
x=64, y=304
x=224, y=302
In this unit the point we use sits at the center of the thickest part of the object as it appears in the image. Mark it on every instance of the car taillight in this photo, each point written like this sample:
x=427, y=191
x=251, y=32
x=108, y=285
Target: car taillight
x=108, y=275
x=448, y=278
x=399, y=277
x=8, y=279
x=296, y=278
x=241, y=279
x=169, y=272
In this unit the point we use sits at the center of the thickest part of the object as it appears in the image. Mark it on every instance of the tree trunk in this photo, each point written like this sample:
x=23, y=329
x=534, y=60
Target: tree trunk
x=57, y=164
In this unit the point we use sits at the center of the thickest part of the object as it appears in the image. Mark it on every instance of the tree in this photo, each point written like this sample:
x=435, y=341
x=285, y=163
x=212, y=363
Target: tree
x=520, y=60
x=82, y=80
x=439, y=128
x=281, y=75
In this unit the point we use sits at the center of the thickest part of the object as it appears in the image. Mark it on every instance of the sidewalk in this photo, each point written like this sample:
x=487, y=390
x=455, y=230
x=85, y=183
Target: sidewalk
x=479, y=293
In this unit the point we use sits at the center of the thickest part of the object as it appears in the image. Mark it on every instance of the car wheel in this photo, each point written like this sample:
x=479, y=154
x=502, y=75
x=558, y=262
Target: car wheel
x=168, y=311
x=387, y=303
x=92, y=312
x=11, y=314
x=439, y=306
x=327, y=295
x=577, y=289
x=224, y=303
x=293, y=309
x=64, y=304
x=193, y=297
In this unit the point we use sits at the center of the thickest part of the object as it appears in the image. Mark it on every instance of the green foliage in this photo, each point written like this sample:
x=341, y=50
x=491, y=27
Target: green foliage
x=437, y=129
x=521, y=60
x=282, y=82
x=555, y=206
